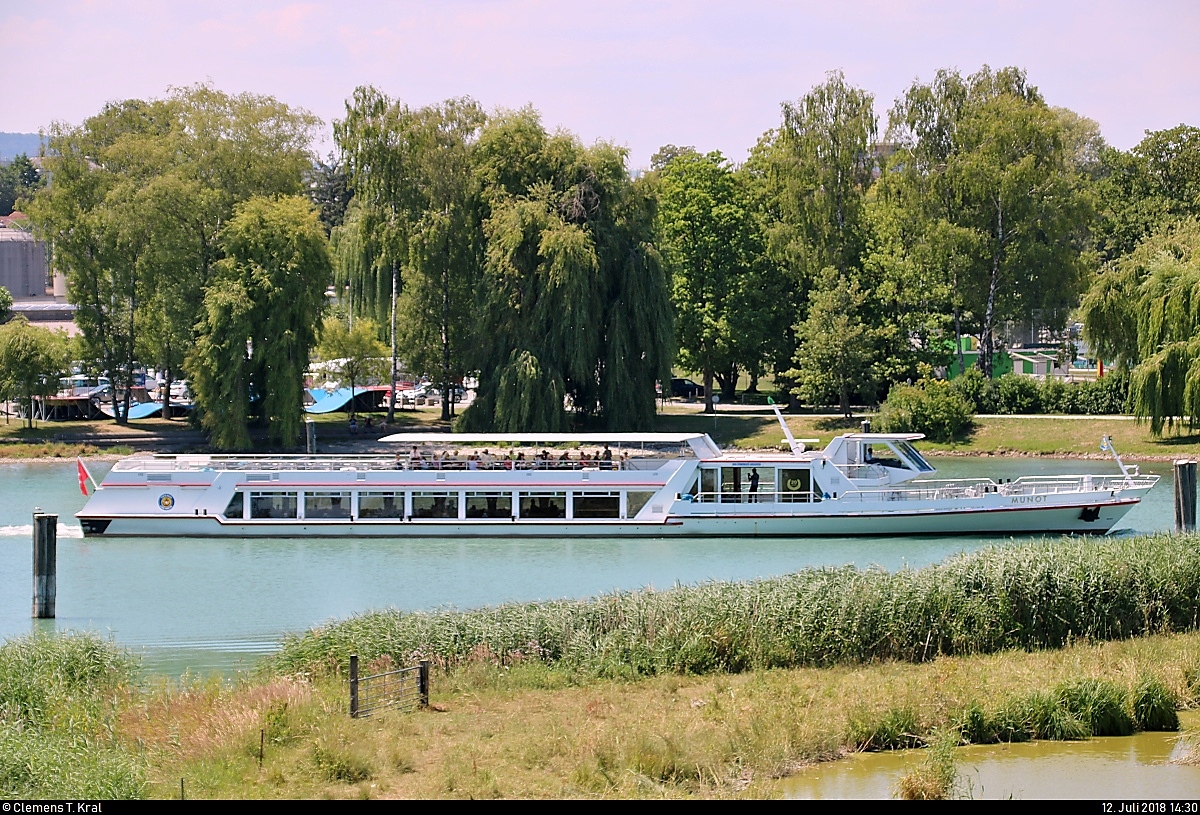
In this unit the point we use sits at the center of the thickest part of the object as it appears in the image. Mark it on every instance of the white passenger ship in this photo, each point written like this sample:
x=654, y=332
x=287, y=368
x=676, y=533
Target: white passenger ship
x=636, y=485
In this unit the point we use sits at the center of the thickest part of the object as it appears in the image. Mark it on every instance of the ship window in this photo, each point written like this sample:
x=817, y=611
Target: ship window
x=543, y=505
x=237, y=506
x=272, y=505
x=708, y=485
x=598, y=505
x=795, y=485
x=381, y=505
x=327, y=505
x=738, y=484
x=489, y=504
x=435, y=505
x=634, y=501
x=909, y=452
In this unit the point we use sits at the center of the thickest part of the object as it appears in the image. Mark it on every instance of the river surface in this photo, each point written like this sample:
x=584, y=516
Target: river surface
x=214, y=605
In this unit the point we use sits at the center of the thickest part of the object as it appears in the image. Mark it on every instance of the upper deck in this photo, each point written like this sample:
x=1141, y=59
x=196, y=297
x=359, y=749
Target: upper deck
x=447, y=451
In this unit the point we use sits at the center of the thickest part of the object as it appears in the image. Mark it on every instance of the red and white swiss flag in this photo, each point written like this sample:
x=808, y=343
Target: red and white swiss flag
x=84, y=475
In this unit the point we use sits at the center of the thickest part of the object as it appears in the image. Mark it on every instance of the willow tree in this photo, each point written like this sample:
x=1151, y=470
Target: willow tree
x=260, y=320
x=415, y=213
x=1143, y=312
x=575, y=301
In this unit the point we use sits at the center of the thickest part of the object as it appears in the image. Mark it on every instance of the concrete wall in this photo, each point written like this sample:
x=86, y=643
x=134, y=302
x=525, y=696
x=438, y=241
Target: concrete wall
x=22, y=264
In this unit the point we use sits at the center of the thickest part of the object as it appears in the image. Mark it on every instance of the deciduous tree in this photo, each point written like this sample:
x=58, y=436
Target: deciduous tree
x=987, y=157
x=31, y=361
x=353, y=354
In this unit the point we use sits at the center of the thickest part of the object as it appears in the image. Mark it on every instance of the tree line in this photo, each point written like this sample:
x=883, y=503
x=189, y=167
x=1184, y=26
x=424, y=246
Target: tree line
x=199, y=234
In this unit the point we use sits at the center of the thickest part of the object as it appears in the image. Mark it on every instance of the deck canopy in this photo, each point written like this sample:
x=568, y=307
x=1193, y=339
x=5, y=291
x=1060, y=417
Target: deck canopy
x=700, y=443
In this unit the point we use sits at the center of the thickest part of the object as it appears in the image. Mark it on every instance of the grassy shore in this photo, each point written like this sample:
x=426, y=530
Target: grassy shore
x=525, y=731
x=711, y=691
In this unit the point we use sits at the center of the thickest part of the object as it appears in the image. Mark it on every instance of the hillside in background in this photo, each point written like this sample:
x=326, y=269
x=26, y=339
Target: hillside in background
x=13, y=144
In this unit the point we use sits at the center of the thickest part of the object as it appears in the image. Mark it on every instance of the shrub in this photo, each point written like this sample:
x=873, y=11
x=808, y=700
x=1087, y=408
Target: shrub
x=976, y=388
x=1102, y=397
x=1058, y=397
x=930, y=407
x=1017, y=394
x=1107, y=395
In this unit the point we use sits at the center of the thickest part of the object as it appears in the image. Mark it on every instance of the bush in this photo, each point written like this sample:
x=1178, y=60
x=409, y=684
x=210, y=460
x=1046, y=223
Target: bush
x=930, y=407
x=1102, y=397
x=1107, y=395
x=1017, y=394
x=976, y=388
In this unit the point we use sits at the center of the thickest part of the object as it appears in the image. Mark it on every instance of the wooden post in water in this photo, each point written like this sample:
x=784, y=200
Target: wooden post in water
x=310, y=434
x=354, y=686
x=1185, y=496
x=45, y=564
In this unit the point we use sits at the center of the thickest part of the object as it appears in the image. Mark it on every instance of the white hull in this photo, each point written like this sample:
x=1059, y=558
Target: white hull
x=815, y=494
x=759, y=520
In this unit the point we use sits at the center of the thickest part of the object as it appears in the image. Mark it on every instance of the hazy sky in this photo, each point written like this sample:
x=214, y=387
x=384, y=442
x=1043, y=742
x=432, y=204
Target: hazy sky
x=641, y=74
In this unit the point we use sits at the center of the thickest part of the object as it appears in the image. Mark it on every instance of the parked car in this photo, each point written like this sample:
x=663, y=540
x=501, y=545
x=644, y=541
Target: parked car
x=686, y=389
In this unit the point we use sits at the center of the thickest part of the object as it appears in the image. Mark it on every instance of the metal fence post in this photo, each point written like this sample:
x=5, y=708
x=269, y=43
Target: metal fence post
x=423, y=683
x=354, y=686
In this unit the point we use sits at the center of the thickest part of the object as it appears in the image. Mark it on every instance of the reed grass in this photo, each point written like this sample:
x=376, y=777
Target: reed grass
x=1036, y=595
x=935, y=779
x=58, y=698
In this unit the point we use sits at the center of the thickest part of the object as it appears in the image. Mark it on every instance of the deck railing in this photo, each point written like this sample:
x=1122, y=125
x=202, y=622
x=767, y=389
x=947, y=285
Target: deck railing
x=935, y=490
x=344, y=463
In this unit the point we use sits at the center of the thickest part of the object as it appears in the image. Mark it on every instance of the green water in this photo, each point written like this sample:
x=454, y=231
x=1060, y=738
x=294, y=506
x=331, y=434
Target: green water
x=1138, y=767
x=217, y=604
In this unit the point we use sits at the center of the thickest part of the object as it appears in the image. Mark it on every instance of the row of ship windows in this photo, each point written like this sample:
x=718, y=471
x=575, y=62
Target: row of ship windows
x=461, y=505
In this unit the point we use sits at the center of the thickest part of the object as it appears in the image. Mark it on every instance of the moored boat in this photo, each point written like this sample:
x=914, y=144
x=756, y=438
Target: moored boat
x=595, y=485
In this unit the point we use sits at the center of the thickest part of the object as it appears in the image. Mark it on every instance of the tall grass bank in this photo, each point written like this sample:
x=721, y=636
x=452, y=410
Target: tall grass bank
x=58, y=700
x=1030, y=596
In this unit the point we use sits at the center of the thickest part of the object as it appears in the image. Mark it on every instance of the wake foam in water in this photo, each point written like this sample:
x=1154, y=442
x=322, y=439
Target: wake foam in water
x=26, y=531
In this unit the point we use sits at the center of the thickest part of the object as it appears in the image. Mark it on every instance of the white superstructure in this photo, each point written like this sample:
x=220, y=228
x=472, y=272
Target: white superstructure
x=593, y=485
